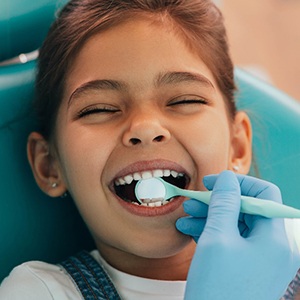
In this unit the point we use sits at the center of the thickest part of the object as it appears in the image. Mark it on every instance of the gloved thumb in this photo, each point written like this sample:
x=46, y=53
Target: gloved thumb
x=225, y=203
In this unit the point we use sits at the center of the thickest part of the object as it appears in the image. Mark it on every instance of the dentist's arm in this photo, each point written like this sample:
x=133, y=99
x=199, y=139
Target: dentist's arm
x=238, y=256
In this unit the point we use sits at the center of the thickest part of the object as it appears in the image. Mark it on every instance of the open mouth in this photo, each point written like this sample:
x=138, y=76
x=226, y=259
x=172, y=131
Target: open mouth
x=125, y=186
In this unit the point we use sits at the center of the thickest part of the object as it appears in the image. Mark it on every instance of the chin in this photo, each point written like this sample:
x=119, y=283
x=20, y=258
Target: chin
x=163, y=246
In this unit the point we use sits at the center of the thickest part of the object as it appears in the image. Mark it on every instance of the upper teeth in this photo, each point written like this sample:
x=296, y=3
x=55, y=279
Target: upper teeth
x=145, y=175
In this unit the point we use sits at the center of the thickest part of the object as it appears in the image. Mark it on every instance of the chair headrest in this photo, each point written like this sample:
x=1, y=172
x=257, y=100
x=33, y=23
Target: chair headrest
x=275, y=119
x=24, y=25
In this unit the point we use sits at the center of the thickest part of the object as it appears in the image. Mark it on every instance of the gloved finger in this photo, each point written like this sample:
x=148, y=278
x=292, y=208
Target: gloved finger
x=194, y=226
x=242, y=224
x=254, y=187
x=225, y=202
x=258, y=188
x=250, y=186
x=191, y=226
x=195, y=208
x=210, y=180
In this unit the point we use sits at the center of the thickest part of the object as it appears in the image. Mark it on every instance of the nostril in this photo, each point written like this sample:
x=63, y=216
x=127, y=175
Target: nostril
x=135, y=141
x=159, y=138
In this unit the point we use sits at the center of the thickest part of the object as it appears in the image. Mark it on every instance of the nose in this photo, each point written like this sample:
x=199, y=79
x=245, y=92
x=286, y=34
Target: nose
x=145, y=129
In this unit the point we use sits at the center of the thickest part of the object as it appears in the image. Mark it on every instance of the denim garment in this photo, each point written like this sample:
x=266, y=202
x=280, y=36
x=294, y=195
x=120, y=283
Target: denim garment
x=90, y=278
x=293, y=288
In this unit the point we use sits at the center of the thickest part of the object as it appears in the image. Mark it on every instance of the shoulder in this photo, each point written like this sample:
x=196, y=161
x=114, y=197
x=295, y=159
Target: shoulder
x=38, y=280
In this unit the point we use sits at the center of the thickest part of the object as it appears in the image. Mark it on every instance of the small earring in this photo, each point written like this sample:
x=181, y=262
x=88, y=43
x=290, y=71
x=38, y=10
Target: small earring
x=54, y=184
x=235, y=168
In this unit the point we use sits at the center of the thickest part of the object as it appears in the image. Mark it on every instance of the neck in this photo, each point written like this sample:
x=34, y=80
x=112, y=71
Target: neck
x=174, y=267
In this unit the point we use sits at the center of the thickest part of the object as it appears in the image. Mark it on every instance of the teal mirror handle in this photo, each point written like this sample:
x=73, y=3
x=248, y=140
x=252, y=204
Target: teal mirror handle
x=250, y=205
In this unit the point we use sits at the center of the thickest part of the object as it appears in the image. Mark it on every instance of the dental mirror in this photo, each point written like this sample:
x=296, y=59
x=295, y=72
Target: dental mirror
x=152, y=188
x=156, y=189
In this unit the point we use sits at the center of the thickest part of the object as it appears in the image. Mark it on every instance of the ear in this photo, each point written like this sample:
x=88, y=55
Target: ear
x=241, y=144
x=44, y=166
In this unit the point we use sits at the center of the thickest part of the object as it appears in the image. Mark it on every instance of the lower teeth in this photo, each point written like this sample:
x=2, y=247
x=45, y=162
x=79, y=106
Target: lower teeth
x=149, y=203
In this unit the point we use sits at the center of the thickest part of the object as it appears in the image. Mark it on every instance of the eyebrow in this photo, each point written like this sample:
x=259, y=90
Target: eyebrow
x=179, y=77
x=168, y=78
x=99, y=84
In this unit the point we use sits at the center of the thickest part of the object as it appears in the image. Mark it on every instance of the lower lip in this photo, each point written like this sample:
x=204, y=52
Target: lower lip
x=152, y=211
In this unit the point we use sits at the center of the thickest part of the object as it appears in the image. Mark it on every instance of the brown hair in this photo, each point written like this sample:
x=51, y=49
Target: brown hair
x=199, y=21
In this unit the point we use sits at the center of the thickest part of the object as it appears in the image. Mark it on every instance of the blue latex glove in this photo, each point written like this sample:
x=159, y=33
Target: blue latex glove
x=193, y=225
x=257, y=264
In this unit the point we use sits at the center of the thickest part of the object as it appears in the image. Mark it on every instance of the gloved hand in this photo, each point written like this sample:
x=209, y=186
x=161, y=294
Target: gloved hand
x=193, y=225
x=259, y=264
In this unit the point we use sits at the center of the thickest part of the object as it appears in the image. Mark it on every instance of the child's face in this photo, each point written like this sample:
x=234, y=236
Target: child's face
x=137, y=99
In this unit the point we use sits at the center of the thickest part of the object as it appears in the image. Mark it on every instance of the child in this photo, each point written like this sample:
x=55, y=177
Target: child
x=129, y=89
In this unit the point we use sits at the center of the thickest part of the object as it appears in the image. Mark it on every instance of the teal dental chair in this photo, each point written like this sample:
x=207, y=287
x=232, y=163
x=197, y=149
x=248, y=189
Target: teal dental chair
x=34, y=226
x=23, y=27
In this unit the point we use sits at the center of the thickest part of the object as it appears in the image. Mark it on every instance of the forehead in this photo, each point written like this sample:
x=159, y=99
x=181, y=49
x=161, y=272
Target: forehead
x=135, y=51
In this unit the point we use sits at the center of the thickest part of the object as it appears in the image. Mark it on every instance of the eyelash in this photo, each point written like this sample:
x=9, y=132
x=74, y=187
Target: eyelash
x=94, y=110
x=188, y=101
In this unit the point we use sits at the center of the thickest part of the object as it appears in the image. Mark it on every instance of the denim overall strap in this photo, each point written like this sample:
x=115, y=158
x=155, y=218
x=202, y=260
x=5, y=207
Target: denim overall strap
x=293, y=289
x=90, y=278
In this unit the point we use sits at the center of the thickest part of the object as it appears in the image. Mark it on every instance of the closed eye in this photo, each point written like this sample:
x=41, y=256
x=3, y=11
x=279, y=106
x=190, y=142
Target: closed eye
x=187, y=104
x=188, y=101
x=91, y=110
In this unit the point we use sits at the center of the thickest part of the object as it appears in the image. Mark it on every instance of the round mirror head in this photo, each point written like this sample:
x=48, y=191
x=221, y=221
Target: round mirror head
x=150, y=190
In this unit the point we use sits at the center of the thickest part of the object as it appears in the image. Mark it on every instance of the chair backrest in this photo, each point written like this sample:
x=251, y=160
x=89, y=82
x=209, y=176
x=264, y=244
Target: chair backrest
x=35, y=226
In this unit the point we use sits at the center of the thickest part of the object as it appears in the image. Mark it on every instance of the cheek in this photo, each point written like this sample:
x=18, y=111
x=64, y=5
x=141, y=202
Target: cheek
x=83, y=154
x=208, y=142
